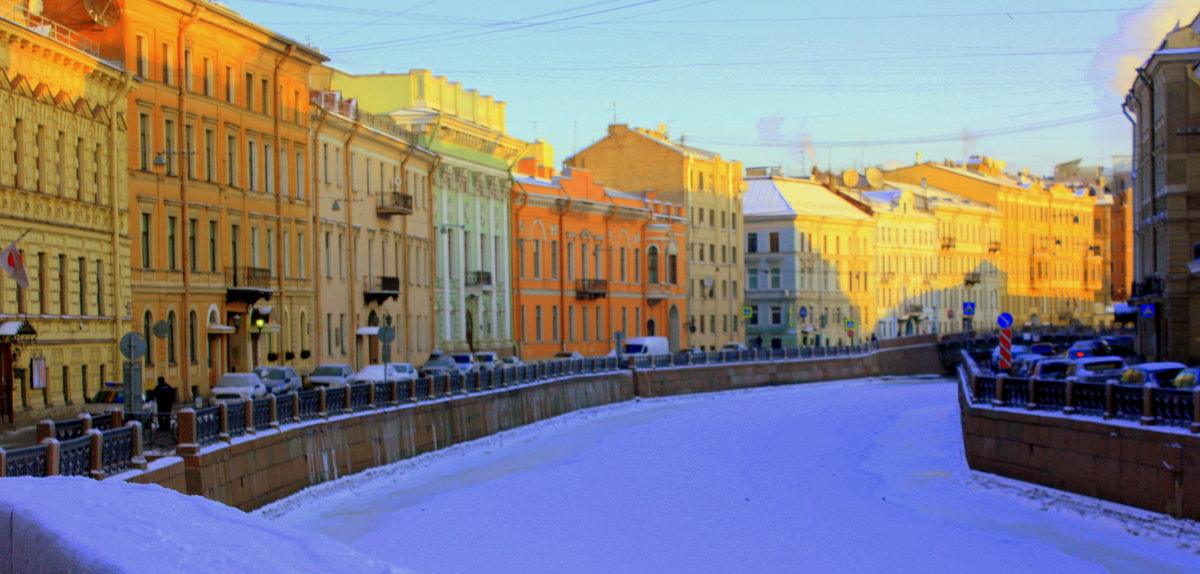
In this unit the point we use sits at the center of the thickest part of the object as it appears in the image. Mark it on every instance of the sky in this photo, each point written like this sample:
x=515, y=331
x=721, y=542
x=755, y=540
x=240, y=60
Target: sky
x=838, y=85
x=865, y=475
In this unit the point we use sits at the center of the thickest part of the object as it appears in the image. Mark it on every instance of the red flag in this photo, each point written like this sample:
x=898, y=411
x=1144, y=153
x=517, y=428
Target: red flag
x=13, y=264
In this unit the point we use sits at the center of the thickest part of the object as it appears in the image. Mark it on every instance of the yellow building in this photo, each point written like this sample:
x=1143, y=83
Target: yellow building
x=218, y=165
x=710, y=189
x=374, y=231
x=63, y=119
x=473, y=286
x=1049, y=273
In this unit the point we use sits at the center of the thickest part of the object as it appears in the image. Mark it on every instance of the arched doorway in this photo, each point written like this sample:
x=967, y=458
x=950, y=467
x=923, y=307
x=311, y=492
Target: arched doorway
x=910, y=326
x=673, y=328
x=470, y=331
x=650, y=327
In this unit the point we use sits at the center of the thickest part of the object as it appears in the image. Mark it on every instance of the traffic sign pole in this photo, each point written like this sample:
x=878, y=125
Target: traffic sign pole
x=1005, y=348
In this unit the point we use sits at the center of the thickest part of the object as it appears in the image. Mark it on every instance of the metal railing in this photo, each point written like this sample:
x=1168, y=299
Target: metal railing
x=478, y=279
x=256, y=278
x=120, y=446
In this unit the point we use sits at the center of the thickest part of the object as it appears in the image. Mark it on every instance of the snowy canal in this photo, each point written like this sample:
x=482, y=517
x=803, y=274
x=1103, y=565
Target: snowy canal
x=855, y=476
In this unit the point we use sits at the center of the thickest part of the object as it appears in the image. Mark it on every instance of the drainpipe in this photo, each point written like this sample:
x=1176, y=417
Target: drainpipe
x=276, y=176
x=316, y=223
x=404, y=245
x=181, y=92
x=565, y=205
x=114, y=203
x=518, y=294
x=431, y=271
x=352, y=235
x=612, y=317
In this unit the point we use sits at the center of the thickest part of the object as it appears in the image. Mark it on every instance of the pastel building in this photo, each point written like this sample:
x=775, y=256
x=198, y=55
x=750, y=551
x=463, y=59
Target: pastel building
x=592, y=262
x=710, y=189
x=471, y=185
x=63, y=110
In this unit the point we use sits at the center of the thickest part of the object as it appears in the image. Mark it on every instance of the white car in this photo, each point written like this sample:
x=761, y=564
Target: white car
x=511, y=362
x=734, y=347
x=568, y=355
x=487, y=360
x=465, y=362
x=331, y=375
x=406, y=370
x=376, y=374
x=280, y=380
x=239, y=387
x=1096, y=369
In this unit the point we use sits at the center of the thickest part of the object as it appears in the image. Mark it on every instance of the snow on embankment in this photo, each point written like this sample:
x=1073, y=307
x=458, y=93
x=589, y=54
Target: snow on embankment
x=64, y=524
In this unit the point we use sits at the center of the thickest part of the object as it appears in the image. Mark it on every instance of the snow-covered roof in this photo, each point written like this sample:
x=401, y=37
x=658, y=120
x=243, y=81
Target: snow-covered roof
x=792, y=197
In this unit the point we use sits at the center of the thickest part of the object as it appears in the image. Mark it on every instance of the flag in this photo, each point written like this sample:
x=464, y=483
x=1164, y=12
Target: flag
x=13, y=264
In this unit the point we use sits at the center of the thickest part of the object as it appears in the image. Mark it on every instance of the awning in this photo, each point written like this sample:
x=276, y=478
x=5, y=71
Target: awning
x=271, y=328
x=14, y=328
x=367, y=331
x=219, y=329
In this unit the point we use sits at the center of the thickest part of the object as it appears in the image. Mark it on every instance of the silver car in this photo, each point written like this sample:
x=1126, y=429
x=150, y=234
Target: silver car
x=239, y=387
x=331, y=375
x=280, y=380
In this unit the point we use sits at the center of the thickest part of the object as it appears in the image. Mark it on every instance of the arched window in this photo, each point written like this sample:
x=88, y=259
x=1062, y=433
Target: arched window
x=303, y=331
x=652, y=264
x=192, y=337
x=171, y=338
x=147, y=324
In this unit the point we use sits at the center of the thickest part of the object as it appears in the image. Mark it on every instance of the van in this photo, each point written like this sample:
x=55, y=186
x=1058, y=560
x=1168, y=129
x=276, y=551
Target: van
x=646, y=346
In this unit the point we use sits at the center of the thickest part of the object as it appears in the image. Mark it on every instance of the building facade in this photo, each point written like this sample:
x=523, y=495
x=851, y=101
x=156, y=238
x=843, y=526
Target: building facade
x=809, y=265
x=592, y=264
x=710, y=189
x=473, y=301
x=64, y=112
x=373, y=236
x=1166, y=200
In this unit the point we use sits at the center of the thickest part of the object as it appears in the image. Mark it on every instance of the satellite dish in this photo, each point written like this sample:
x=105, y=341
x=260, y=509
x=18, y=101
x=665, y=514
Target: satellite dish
x=850, y=178
x=874, y=177
x=104, y=13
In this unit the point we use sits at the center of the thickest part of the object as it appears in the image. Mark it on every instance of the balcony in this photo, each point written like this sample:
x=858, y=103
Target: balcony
x=394, y=203
x=380, y=289
x=656, y=292
x=479, y=279
x=972, y=278
x=948, y=243
x=993, y=247
x=247, y=284
x=591, y=289
x=913, y=309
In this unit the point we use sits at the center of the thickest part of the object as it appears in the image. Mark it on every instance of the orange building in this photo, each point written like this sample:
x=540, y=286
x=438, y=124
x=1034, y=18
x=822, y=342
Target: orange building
x=219, y=200
x=589, y=262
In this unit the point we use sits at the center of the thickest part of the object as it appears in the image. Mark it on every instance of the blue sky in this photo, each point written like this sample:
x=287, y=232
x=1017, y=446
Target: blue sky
x=845, y=85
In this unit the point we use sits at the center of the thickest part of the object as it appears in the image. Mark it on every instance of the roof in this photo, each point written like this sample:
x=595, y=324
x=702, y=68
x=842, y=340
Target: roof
x=781, y=196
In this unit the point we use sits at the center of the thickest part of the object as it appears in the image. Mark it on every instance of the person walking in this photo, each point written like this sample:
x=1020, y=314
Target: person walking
x=164, y=399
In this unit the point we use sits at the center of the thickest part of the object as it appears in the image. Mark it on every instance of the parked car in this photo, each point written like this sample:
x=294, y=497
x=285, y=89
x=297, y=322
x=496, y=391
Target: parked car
x=465, y=362
x=1054, y=369
x=734, y=346
x=1046, y=349
x=406, y=370
x=378, y=374
x=438, y=366
x=331, y=375
x=1186, y=378
x=239, y=387
x=511, y=362
x=1121, y=345
x=487, y=360
x=1096, y=369
x=646, y=347
x=568, y=355
x=1162, y=374
x=1023, y=364
x=280, y=379
x=1088, y=348
x=1014, y=350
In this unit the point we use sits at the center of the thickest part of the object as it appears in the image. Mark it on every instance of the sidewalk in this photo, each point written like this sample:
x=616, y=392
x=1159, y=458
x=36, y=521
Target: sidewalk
x=17, y=438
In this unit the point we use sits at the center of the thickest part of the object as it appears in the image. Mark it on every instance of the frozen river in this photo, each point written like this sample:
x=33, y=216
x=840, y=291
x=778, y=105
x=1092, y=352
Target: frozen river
x=853, y=476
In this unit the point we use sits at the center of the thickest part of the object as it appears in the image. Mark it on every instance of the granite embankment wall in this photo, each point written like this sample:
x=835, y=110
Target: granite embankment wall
x=1155, y=468
x=252, y=471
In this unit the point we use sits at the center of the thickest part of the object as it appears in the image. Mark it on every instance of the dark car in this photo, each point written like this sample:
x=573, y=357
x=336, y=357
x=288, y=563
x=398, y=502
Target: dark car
x=1088, y=348
x=1052, y=369
x=1121, y=345
x=1046, y=349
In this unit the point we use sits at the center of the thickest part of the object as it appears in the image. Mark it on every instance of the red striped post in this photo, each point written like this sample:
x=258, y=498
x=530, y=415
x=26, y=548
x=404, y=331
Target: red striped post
x=1005, y=349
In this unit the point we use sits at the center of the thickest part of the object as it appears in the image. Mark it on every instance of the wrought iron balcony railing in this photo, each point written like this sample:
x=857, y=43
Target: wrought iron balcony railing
x=479, y=279
x=972, y=278
x=588, y=289
x=394, y=203
x=379, y=289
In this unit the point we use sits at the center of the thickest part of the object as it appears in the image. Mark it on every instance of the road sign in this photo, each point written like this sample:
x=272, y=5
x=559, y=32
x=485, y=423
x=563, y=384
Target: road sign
x=161, y=329
x=803, y=312
x=1147, y=311
x=1005, y=320
x=747, y=311
x=132, y=371
x=968, y=308
x=849, y=324
x=386, y=335
x=850, y=333
x=133, y=346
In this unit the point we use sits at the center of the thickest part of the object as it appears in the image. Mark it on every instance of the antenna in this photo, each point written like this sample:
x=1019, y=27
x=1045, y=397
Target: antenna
x=614, y=110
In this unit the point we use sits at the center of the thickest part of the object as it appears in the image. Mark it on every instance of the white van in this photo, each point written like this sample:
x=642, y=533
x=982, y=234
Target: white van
x=646, y=347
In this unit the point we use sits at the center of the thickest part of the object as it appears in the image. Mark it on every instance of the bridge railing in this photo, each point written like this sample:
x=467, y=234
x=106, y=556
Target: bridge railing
x=105, y=444
x=1147, y=404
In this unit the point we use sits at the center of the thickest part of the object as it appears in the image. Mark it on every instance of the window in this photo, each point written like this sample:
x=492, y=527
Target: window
x=142, y=65
x=64, y=285
x=776, y=315
x=622, y=265
x=537, y=259
x=191, y=231
x=251, y=165
x=81, y=283
x=266, y=95
x=554, y=322
x=192, y=338
x=171, y=246
x=168, y=70
x=99, y=287
x=570, y=261
x=171, y=359
x=231, y=159
x=19, y=150
x=147, y=323
x=249, y=87
x=599, y=324
x=268, y=169
x=753, y=319
x=752, y=279
x=537, y=322
x=652, y=265
x=210, y=154
x=208, y=77
x=144, y=142
x=189, y=151
x=271, y=251
x=554, y=259
x=774, y=238
x=637, y=267
x=230, y=86
x=301, y=249
x=212, y=246
x=145, y=241
x=751, y=243
x=299, y=175
x=169, y=152
x=775, y=278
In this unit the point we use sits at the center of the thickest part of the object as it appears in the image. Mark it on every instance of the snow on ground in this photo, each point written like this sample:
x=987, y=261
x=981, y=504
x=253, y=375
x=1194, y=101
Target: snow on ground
x=73, y=524
x=854, y=476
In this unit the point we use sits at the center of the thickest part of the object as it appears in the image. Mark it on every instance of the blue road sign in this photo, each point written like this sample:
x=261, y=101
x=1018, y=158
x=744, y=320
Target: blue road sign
x=803, y=312
x=1148, y=311
x=1004, y=320
x=849, y=324
x=968, y=308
